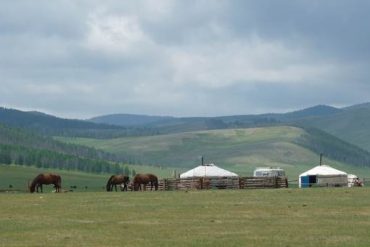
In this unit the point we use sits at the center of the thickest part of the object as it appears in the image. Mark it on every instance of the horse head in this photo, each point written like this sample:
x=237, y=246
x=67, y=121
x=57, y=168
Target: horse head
x=32, y=186
x=31, y=189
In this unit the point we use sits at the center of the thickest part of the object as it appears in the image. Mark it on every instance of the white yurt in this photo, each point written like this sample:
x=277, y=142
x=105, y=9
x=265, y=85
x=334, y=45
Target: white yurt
x=323, y=176
x=208, y=170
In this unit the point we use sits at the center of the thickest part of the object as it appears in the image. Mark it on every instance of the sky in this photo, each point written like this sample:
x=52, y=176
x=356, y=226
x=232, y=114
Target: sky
x=79, y=59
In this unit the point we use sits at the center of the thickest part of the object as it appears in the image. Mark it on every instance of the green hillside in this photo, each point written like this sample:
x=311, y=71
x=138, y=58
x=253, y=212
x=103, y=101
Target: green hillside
x=351, y=125
x=240, y=150
x=19, y=146
x=50, y=125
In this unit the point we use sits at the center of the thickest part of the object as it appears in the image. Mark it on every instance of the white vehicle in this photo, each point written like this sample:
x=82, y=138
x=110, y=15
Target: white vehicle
x=269, y=172
x=354, y=181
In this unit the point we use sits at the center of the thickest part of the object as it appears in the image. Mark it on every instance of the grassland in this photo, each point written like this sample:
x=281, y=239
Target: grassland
x=239, y=150
x=285, y=217
x=18, y=177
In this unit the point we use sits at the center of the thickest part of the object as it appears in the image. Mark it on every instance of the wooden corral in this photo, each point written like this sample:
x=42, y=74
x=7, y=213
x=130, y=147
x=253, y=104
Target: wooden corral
x=207, y=183
x=263, y=182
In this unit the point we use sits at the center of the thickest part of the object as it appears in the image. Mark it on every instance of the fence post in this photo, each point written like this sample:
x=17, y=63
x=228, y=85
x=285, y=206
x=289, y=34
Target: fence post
x=165, y=184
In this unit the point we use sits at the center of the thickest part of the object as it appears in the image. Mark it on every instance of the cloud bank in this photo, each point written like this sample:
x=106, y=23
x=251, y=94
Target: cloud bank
x=183, y=58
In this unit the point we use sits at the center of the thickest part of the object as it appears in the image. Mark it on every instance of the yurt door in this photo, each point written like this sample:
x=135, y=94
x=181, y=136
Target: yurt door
x=305, y=182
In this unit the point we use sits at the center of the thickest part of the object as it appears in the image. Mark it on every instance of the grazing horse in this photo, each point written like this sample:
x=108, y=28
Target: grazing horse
x=144, y=179
x=117, y=179
x=46, y=178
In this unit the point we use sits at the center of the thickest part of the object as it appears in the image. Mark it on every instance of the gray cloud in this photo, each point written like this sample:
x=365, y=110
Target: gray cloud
x=80, y=59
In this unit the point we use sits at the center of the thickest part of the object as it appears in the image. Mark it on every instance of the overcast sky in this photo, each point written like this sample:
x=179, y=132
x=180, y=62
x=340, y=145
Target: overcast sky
x=80, y=59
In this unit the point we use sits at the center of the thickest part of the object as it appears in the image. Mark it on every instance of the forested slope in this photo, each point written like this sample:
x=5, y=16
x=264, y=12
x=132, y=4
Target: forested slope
x=21, y=147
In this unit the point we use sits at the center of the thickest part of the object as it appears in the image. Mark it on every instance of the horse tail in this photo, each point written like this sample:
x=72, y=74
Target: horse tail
x=109, y=183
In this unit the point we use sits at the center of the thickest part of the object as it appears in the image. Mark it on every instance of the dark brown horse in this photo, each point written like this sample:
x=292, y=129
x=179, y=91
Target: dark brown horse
x=46, y=178
x=145, y=179
x=117, y=179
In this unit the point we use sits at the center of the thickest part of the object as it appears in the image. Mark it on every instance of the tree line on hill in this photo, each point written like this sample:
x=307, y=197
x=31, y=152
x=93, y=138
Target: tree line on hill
x=334, y=148
x=47, y=159
x=18, y=146
x=21, y=137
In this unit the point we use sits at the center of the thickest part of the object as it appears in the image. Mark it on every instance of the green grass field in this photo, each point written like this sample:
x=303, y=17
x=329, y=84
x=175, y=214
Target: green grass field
x=18, y=177
x=285, y=217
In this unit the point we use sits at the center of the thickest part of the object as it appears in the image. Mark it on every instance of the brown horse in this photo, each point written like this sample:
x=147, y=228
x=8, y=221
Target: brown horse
x=117, y=179
x=46, y=178
x=144, y=179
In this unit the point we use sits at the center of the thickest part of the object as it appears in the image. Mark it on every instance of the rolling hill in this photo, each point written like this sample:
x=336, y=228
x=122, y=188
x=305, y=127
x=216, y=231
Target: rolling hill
x=24, y=154
x=351, y=125
x=238, y=142
x=50, y=125
x=19, y=146
x=128, y=119
x=240, y=150
x=183, y=124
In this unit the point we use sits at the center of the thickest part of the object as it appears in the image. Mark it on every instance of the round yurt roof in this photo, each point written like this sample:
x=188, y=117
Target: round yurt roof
x=352, y=176
x=323, y=170
x=209, y=170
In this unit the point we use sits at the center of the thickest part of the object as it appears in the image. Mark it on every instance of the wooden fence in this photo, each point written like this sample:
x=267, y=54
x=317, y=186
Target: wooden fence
x=207, y=183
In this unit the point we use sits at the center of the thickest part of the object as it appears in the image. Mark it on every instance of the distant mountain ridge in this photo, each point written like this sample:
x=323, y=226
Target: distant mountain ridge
x=51, y=125
x=128, y=119
x=150, y=133
x=349, y=123
x=120, y=122
x=315, y=111
x=159, y=121
x=357, y=106
x=35, y=118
